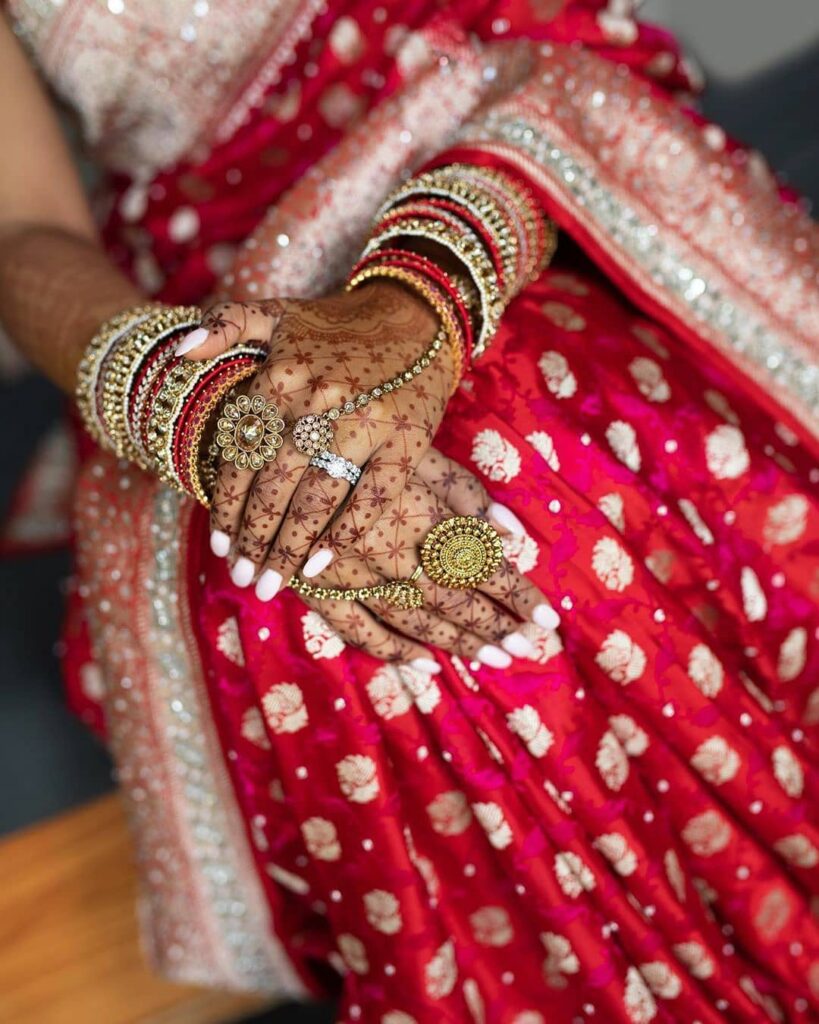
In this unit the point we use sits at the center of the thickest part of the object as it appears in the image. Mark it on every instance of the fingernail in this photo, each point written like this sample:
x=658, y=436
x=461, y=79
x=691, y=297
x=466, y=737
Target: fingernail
x=268, y=585
x=546, y=617
x=191, y=341
x=219, y=543
x=506, y=518
x=426, y=665
x=243, y=572
x=317, y=562
x=494, y=656
x=517, y=644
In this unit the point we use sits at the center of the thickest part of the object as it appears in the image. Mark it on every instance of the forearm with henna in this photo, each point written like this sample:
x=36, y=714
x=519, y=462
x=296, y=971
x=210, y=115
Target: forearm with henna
x=56, y=289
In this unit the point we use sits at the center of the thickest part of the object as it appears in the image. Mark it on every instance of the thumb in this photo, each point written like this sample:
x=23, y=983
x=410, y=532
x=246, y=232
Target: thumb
x=231, y=323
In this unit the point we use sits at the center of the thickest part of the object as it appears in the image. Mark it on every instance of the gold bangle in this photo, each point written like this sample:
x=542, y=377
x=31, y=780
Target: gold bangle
x=122, y=366
x=109, y=334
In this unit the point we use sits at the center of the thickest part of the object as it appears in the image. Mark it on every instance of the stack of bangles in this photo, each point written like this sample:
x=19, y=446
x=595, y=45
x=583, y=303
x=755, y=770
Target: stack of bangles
x=488, y=221
x=140, y=400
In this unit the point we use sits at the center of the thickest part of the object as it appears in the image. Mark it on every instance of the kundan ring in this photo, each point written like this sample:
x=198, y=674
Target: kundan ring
x=249, y=432
x=461, y=552
x=312, y=434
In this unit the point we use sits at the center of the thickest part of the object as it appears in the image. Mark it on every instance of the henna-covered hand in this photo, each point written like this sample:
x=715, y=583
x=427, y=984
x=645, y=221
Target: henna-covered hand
x=289, y=516
x=483, y=624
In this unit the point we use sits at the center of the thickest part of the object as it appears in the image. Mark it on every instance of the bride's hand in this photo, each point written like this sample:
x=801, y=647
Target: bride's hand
x=483, y=624
x=323, y=353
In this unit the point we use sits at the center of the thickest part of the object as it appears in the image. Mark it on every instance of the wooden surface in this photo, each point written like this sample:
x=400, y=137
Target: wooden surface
x=69, y=951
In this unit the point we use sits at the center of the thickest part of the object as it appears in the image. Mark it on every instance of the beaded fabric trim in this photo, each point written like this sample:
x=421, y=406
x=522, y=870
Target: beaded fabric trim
x=204, y=913
x=755, y=302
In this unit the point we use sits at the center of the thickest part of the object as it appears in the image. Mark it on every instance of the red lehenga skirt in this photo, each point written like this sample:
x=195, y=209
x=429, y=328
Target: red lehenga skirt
x=625, y=831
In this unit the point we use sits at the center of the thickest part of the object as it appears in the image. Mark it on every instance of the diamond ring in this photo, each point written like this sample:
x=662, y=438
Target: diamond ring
x=336, y=466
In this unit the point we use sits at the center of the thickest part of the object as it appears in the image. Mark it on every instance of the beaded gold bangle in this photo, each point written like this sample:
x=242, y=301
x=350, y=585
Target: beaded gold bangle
x=181, y=380
x=432, y=296
x=479, y=206
x=201, y=476
x=124, y=362
x=109, y=334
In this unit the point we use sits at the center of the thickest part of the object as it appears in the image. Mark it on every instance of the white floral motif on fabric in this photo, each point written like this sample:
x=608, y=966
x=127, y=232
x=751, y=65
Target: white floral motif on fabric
x=383, y=911
x=792, y=654
x=716, y=760
x=491, y=926
x=788, y=771
x=695, y=957
x=798, y=850
x=492, y=820
x=621, y=658
x=648, y=376
x=622, y=438
x=638, y=1000
x=284, y=708
x=612, y=506
x=558, y=376
x=725, y=453
x=545, y=447
x=229, y=642
x=450, y=813
x=321, y=839
x=358, y=778
x=618, y=853
x=560, y=961
x=441, y=973
x=707, y=834
x=520, y=551
x=754, y=602
x=253, y=729
x=612, y=564
x=786, y=521
x=527, y=723
x=573, y=875
x=495, y=456
x=705, y=670
x=320, y=640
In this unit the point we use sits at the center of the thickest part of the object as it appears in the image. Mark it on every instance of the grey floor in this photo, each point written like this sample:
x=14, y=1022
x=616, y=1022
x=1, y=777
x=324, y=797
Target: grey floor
x=47, y=760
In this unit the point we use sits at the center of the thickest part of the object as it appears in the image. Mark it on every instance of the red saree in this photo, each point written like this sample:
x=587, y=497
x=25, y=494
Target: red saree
x=626, y=832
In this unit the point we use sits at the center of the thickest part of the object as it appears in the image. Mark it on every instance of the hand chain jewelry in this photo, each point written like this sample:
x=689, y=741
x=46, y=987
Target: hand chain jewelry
x=460, y=553
x=313, y=433
x=405, y=594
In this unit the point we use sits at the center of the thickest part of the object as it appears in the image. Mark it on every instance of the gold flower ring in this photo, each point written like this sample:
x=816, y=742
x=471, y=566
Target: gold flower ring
x=249, y=432
x=461, y=552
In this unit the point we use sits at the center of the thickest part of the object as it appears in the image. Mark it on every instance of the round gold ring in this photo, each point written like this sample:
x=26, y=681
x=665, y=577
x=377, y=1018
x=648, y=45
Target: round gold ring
x=249, y=432
x=461, y=552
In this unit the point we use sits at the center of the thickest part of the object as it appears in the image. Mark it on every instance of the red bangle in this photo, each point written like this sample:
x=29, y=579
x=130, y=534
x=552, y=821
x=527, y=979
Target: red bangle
x=410, y=260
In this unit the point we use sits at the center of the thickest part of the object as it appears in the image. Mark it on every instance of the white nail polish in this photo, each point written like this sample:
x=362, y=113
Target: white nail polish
x=268, y=585
x=546, y=617
x=506, y=519
x=426, y=665
x=517, y=644
x=219, y=543
x=193, y=339
x=243, y=572
x=494, y=656
x=317, y=563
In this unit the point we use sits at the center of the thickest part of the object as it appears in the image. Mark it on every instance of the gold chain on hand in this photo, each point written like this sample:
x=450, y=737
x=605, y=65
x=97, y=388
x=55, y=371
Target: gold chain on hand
x=401, y=593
